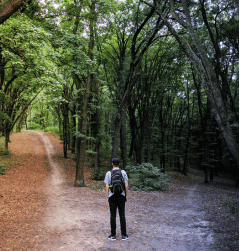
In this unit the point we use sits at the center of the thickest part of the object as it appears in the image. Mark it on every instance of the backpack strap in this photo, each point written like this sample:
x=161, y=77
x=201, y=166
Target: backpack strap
x=112, y=173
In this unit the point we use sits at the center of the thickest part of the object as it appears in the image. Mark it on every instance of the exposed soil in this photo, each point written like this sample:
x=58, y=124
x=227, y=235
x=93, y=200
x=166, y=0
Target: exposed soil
x=41, y=210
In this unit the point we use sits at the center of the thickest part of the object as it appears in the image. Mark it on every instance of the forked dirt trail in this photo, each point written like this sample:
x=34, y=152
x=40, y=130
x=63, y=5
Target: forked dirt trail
x=188, y=216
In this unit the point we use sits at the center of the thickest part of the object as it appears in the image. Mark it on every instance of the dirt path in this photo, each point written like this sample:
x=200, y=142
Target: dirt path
x=78, y=218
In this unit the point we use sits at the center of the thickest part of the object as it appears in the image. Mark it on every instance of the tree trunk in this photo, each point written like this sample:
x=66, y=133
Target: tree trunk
x=162, y=142
x=163, y=164
x=65, y=128
x=82, y=142
x=185, y=163
x=149, y=131
x=116, y=136
x=79, y=179
x=206, y=132
x=95, y=126
x=9, y=7
x=7, y=131
x=162, y=156
x=21, y=122
x=207, y=172
x=96, y=159
x=124, y=142
x=95, y=133
x=26, y=123
x=58, y=111
x=138, y=151
x=74, y=125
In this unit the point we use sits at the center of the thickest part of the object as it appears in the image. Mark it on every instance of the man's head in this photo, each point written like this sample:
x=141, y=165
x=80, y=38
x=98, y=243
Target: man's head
x=115, y=161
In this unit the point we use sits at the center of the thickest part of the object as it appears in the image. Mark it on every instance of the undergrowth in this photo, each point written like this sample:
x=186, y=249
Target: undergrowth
x=3, y=154
x=4, y=167
x=100, y=186
x=3, y=151
x=232, y=206
x=52, y=129
x=34, y=126
x=147, y=177
x=98, y=175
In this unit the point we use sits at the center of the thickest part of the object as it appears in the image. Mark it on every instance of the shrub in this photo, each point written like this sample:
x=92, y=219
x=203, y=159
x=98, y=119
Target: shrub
x=3, y=168
x=99, y=174
x=147, y=177
x=52, y=129
x=3, y=151
x=34, y=126
x=232, y=206
x=101, y=186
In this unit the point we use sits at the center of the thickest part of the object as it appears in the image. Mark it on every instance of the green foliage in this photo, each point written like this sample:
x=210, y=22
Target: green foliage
x=3, y=168
x=26, y=68
x=52, y=129
x=99, y=174
x=147, y=177
x=34, y=126
x=100, y=185
x=232, y=206
x=3, y=151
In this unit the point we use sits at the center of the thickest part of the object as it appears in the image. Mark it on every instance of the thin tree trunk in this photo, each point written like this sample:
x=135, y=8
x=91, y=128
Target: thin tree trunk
x=65, y=129
x=124, y=142
x=95, y=127
x=185, y=163
x=82, y=142
x=116, y=137
x=79, y=179
x=74, y=125
x=7, y=131
x=149, y=133
x=206, y=143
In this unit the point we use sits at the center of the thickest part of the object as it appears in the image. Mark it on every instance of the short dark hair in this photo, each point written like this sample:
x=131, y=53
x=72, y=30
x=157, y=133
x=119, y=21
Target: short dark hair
x=116, y=161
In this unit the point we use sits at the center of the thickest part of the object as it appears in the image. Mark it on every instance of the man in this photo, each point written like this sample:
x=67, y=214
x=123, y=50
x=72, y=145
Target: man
x=117, y=201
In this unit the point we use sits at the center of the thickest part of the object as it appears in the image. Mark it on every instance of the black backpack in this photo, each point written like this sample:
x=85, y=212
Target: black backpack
x=117, y=185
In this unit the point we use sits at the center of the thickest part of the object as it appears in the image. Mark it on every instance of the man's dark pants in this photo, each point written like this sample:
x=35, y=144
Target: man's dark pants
x=114, y=203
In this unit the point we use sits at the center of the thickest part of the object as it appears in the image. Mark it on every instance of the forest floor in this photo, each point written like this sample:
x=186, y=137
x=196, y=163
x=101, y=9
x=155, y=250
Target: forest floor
x=40, y=209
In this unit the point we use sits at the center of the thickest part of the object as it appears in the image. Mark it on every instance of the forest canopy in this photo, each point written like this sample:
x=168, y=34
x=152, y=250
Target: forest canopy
x=147, y=81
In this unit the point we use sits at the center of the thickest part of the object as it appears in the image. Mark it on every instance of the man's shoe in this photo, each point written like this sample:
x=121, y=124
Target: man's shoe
x=112, y=237
x=125, y=237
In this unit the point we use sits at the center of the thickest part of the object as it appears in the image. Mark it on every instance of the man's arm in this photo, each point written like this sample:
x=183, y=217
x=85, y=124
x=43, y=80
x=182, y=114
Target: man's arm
x=107, y=189
x=126, y=187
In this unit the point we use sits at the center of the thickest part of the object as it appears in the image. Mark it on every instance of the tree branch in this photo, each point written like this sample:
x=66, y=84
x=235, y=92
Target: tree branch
x=8, y=8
